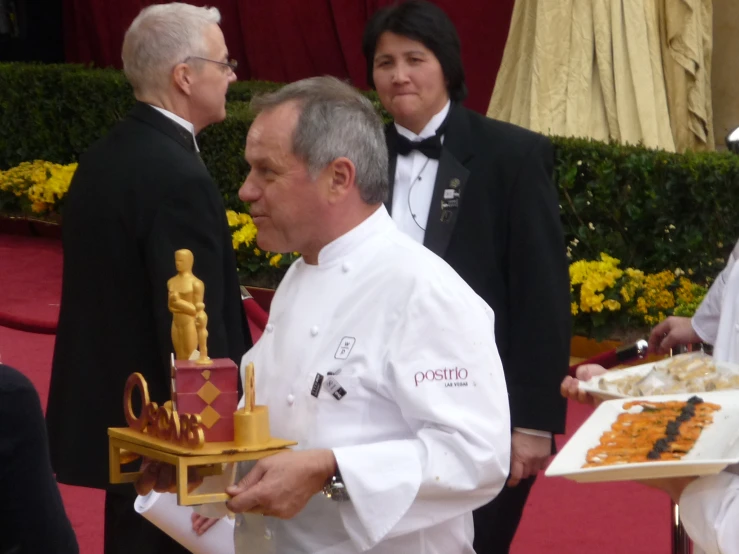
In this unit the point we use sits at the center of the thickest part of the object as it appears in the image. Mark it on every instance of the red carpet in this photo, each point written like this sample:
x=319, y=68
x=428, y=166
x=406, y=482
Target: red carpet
x=562, y=517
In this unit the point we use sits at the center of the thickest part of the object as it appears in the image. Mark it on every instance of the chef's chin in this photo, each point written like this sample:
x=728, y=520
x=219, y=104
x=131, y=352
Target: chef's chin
x=266, y=245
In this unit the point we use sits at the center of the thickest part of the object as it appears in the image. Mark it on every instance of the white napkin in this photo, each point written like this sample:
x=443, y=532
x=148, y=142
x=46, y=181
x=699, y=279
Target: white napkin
x=164, y=512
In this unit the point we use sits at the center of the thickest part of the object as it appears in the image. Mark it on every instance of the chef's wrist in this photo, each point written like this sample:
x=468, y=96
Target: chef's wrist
x=329, y=464
x=334, y=487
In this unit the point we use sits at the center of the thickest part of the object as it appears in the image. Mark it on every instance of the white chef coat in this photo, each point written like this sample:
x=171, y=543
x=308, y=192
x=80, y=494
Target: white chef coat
x=709, y=510
x=717, y=318
x=422, y=435
x=709, y=506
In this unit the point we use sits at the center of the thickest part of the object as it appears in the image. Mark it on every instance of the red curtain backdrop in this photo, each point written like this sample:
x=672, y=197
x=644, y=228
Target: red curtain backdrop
x=286, y=40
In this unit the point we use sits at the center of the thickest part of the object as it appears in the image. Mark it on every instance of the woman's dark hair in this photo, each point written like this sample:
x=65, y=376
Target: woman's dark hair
x=426, y=23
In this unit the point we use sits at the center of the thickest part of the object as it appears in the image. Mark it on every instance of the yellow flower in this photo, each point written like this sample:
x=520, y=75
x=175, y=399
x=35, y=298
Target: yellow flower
x=573, y=308
x=43, y=183
x=233, y=218
x=257, y=252
x=274, y=261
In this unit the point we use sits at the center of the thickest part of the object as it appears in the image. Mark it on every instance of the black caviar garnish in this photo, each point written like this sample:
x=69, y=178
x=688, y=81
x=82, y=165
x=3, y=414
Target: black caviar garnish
x=673, y=427
x=661, y=445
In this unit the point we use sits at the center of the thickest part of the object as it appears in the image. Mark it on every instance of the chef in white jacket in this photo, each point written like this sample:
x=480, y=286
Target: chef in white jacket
x=709, y=506
x=377, y=358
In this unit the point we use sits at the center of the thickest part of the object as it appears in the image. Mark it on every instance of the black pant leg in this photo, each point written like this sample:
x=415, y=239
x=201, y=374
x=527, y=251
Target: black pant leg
x=127, y=532
x=496, y=522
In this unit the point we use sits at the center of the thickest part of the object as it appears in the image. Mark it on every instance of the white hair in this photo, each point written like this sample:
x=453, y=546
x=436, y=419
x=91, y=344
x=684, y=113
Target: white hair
x=162, y=36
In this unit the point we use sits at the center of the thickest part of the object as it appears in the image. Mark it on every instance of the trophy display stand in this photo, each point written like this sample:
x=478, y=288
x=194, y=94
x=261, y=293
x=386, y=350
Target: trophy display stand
x=200, y=427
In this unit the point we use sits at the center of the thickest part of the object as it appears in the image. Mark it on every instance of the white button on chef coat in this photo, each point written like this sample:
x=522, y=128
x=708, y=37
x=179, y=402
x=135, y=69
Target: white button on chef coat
x=269, y=327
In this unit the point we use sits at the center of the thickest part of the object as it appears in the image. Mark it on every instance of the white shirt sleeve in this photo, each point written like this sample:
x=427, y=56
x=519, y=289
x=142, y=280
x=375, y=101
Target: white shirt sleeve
x=459, y=456
x=709, y=510
x=706, y=318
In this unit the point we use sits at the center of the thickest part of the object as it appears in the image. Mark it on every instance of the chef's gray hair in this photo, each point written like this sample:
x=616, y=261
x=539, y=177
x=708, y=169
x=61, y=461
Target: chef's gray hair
x=336, y=121
x=160, y=37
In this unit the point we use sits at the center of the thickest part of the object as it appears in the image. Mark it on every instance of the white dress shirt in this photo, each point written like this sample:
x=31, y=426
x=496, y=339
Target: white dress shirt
x=422, y=436
x=182, y=122
x=415, y=175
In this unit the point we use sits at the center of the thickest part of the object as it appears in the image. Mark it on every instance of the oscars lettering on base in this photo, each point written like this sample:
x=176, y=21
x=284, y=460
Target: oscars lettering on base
x=160, y=421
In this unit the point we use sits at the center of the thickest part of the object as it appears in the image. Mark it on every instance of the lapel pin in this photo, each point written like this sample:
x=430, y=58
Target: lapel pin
x=445, y=216
x=454, y=183
x=450, y=204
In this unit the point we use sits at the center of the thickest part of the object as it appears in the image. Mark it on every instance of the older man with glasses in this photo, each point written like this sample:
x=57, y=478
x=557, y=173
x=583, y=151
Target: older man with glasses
x=138, y=195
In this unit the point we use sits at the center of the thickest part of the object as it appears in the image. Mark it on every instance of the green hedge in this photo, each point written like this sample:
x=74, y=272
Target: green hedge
x=651, y=209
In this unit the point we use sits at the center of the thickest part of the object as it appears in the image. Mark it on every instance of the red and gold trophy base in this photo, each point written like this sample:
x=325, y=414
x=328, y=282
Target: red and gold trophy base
x=211, y=391
x=165, y=435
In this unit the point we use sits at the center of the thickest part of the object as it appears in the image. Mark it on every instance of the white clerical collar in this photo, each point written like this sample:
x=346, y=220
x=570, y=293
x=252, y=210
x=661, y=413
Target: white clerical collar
x=378, y=222
x=430, y=129
x=182, y=122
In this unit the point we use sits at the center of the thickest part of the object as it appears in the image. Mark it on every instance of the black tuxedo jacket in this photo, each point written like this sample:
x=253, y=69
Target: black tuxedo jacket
x=138, y=195
x=503, y=235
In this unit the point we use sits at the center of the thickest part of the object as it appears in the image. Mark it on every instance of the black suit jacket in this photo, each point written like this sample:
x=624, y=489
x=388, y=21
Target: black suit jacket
x=138, y=195
x=505, y=239
x=32, y=511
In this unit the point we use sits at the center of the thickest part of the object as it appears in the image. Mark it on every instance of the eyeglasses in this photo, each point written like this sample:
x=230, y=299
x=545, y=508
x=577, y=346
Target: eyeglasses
x=231, y=65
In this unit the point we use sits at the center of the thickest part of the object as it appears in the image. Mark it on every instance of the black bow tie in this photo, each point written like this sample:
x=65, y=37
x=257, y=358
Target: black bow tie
x=429, y=147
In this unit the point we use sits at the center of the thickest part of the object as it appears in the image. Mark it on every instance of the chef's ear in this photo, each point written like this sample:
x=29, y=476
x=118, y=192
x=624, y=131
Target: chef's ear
x=342, y=174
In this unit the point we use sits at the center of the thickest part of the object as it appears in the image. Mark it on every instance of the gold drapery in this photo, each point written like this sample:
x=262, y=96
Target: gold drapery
x=630, y=70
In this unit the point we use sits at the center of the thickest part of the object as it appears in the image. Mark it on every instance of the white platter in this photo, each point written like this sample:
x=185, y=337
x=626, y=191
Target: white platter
x=716, y=448
x=591, y=386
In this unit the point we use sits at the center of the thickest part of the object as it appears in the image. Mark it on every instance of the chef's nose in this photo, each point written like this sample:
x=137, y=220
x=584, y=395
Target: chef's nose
x=250, y=191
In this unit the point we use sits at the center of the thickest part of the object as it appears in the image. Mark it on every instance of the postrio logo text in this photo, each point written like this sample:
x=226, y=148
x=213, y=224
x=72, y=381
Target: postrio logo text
x=451, y=377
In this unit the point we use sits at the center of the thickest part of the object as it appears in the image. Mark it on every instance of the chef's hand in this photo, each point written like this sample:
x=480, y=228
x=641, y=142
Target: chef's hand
x=281, y=485
x=673, y=331
x=162, y=477
x=200, y=524
x=674, y=486
x=529, y=454
x=570, y=387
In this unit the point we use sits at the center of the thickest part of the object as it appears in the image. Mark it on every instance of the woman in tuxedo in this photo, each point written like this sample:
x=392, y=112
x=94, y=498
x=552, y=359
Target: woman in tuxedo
x=479, y=193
